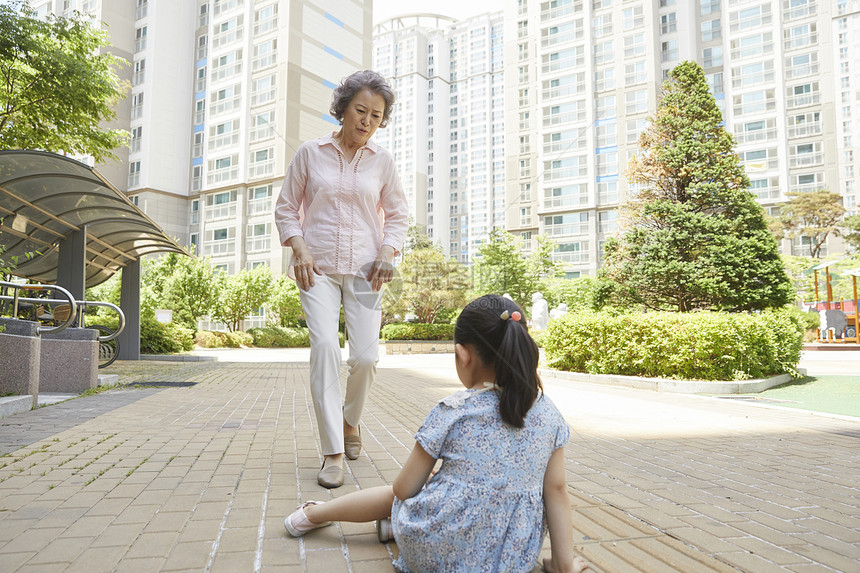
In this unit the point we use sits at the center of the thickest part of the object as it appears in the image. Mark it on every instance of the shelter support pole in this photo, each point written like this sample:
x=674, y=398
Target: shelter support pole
x=129, y=302
x=72, y=263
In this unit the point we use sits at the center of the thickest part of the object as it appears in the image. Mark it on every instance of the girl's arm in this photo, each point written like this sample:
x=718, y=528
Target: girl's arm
x=414, y=474
x=557, y=504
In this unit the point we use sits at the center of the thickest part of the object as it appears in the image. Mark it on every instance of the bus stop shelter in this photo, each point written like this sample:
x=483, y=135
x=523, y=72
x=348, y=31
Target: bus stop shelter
x=62, y=223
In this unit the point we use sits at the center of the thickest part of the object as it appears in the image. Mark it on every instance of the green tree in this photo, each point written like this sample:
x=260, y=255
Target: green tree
x=58, y=85
x=285, y=303
x=814, y=215
x=241, y=294
x=430, y=283
x=502, y=269
x=187, y=285
x=694, y=237
x=417, y=239
x=851, y=225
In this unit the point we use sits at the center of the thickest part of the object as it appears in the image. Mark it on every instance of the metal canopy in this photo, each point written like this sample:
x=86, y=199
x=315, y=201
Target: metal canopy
x=45, y=198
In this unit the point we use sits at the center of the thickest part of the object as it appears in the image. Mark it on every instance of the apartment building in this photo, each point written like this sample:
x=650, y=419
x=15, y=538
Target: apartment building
x=586, y=74
x=222, y=94
x=447, y=131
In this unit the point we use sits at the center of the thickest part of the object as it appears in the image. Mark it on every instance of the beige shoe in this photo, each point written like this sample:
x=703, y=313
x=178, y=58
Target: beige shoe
x=352, y=445
x=383, y=530
x=330, y=477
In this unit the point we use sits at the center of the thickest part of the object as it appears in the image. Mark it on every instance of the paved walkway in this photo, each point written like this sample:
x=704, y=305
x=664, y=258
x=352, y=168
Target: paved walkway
x=199, y=478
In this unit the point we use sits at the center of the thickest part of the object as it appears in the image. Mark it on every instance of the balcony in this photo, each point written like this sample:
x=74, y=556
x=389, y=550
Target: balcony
x=559, y=12
x=258, y=244
x=756, y=136
x=801, y=71
x=228, y=37
x=805, y=130
x=806, y=160
x=225, y=105
x=801, y=41
x=262, y=132
x=227, y=71
x=226, y=140
x=264, y=61
x=222, y=176
x=216, y=212
x=802, y=100
x=561, y=118
x=263, y=97
x=265, y=26
x=262, y=169
x=215, y=248
x=259, y=206
x=565, y=173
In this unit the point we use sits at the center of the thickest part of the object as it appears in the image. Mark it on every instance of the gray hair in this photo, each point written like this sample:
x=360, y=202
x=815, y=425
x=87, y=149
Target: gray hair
x=354, y=83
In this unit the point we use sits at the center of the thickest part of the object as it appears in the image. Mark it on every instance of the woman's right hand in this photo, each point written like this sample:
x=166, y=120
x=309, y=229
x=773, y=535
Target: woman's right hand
x=304, y=264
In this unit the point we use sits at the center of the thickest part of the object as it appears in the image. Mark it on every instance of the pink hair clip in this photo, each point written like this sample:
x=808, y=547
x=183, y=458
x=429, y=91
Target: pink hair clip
x=516, y=315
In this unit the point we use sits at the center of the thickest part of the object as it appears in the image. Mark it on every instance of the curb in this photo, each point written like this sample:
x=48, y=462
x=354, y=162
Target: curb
x=178, y=358
x=669, y=385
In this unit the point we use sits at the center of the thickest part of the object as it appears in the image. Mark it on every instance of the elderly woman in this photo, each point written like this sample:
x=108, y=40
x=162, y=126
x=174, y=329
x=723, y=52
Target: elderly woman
x=343, y=212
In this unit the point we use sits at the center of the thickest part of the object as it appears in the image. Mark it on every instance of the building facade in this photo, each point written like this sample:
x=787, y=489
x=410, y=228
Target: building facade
x=586, y=74
x=447, y=132
x=222, y=94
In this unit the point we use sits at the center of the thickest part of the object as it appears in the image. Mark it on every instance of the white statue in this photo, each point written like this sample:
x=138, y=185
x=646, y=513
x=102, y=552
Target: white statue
x=540, y=311
x=558, y=311
x=507, y=296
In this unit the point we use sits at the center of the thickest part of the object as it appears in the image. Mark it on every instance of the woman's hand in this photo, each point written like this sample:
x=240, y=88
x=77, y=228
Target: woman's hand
x=304, y=264
x=382, y=269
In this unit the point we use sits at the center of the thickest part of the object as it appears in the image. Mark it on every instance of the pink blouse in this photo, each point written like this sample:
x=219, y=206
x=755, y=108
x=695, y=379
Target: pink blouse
x=345, y=211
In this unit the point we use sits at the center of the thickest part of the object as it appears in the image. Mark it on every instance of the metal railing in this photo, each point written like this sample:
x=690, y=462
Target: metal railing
x=16, y=299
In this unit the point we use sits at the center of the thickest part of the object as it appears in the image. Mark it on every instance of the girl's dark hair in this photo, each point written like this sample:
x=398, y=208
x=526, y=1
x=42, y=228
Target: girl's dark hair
x=505, y=344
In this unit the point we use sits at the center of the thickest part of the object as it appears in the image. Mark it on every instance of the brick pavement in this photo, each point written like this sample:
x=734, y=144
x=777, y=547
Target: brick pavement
x=200, y=478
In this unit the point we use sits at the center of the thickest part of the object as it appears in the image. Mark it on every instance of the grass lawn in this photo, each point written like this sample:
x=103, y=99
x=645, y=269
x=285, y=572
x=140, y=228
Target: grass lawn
x=830, y=394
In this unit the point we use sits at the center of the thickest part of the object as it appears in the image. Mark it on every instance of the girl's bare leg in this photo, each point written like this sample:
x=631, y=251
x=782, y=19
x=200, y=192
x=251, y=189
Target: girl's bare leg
x=363, y=505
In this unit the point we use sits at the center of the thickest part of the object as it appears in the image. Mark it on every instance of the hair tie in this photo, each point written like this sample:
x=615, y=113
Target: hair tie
x=513, y=315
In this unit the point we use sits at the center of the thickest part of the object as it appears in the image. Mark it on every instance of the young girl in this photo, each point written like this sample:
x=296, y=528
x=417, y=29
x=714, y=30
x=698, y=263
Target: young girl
x=501, y=442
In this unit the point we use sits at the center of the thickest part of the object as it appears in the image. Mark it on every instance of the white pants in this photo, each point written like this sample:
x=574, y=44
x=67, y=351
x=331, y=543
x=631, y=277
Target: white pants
x=363, y=313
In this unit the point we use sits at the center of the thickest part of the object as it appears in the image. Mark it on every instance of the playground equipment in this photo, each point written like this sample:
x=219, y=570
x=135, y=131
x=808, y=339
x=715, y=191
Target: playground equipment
x=839, y=320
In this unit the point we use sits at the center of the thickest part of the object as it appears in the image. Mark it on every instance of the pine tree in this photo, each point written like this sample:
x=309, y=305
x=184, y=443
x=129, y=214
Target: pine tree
x=693, y=237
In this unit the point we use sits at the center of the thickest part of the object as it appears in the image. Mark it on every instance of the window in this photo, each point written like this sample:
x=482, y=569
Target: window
x=605, y=107
x=134, y=174
x=607, y=163
x=635, y=73
x=606, y=135
x=140, y=39
x=668, y=23
x=711, y=30
x=137, y=106
x=603, y=53
x=715, y=82
x=604, y=79
x=669, y=50
x=139, y=72
x=708, y=6
x=566, y=224
x=136, y=135
x=751, y=17
x=265, y=54
x=752, y=74
x=637, y=102
x=634, y=46
x=712, y=57
x=634, y=128
x=633, y=17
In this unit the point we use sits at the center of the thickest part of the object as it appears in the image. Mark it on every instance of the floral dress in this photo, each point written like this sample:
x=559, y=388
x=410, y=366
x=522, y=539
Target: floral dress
x=483, y=510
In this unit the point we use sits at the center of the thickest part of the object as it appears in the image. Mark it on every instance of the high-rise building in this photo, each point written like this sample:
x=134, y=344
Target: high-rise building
x=222, y=94
x=586, y=74
x=447, y=132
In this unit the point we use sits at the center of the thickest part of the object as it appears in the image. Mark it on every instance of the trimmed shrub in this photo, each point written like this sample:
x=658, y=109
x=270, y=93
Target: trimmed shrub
x=284, y=337
x=280, y=337
x=213, y=339
x=417, y=331
x=155, y=337
x=158, y=338
x=696, y=346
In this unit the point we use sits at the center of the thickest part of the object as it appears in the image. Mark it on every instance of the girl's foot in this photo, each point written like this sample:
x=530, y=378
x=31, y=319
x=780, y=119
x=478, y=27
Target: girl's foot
x=297, y=523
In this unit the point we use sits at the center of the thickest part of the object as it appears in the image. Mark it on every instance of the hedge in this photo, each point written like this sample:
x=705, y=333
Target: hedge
x=417, y=331
x=284, y=337
x=214, y=339
x=155, y=337
x=692, y=346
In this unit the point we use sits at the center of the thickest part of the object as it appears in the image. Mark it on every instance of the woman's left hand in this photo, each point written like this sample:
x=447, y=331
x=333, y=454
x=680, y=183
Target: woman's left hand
x=382, y=269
